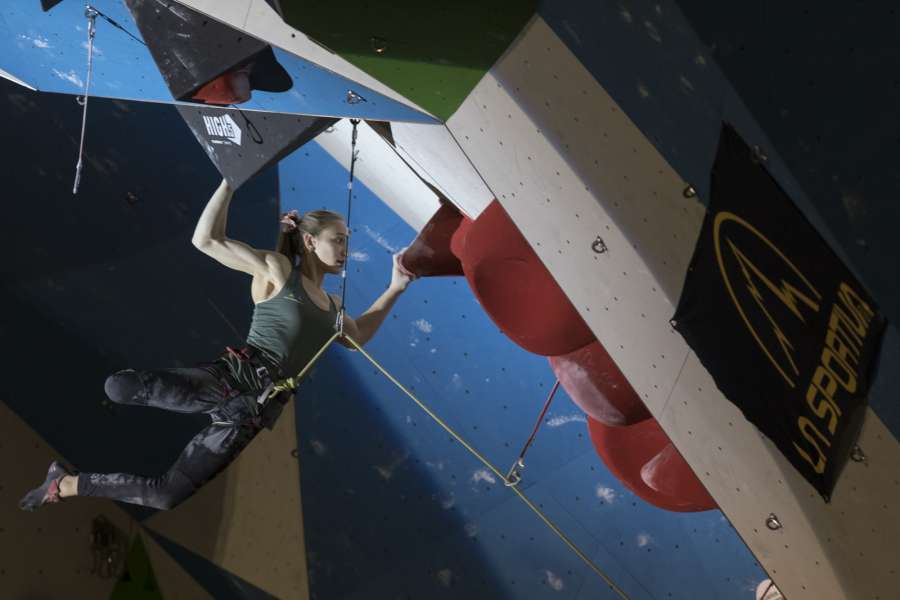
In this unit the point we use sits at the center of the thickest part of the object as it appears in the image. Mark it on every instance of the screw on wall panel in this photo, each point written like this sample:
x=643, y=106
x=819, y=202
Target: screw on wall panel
x=772, y=522
x=354, y=98
x=689, y=192
x=295, y=453
x=599, y=246
x=857, y=455
x=379, y=45
x=759, y=156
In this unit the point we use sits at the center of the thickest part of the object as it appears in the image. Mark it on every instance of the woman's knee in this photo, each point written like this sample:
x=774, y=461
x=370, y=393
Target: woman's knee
x=176, y=489
x=124, y=387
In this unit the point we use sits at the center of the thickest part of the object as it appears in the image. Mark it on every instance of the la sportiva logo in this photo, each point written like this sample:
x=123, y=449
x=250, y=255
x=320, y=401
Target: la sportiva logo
x=816, y=344
x=222, y=130
x=762, y=293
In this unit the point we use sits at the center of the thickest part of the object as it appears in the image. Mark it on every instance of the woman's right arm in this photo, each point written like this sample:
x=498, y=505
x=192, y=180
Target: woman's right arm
x=209, y=238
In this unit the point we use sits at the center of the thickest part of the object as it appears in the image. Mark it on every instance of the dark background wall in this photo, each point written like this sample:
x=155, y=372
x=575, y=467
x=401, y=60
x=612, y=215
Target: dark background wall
x=108, y=279
x=823, y=80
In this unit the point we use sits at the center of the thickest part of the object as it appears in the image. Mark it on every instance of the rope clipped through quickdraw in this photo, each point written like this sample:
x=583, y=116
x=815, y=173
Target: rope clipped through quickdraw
x=514, y=477
x=291, y=383
x=494, y=470
x=339, y=326
x=91, y=13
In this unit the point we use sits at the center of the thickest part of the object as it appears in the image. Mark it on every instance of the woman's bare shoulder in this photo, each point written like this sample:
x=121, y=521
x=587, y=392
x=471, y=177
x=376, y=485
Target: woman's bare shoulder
x=279, y=264
x=265, y=286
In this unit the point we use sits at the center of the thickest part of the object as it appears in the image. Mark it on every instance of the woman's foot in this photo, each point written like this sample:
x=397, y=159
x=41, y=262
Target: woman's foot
x=48, y=492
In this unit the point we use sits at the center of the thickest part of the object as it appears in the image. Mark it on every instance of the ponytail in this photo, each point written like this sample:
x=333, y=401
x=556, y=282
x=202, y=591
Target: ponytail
x=293, y=226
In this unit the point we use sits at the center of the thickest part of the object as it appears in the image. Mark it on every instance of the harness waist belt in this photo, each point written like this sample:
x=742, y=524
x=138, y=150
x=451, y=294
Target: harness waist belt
x=268, y=404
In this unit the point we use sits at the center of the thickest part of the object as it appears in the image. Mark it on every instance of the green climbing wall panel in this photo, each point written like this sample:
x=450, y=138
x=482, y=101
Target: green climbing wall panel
x=432, y=53
x=138, y=581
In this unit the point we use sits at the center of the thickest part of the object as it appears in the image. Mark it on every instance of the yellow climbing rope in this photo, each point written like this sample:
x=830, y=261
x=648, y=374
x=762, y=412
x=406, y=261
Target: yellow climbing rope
x=292, y=382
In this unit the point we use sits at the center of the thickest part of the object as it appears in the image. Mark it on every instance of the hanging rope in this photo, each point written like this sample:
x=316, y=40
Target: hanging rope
x=292, y=382
x=494, y=470
x=91, y=13
x=513, y=477
x=339, y=326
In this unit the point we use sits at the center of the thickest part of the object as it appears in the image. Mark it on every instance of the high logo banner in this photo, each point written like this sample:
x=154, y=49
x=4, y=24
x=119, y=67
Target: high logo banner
x=786, y=331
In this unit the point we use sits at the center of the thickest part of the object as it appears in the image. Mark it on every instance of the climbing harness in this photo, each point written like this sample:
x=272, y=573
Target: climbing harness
x=270, y=397
x=513, y=477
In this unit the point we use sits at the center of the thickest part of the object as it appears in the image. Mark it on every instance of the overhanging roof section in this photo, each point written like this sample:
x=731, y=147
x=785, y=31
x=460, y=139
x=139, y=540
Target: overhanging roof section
x=49, y=51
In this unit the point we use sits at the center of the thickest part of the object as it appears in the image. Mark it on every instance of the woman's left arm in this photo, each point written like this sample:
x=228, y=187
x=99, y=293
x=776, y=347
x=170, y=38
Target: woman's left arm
x=363, y=328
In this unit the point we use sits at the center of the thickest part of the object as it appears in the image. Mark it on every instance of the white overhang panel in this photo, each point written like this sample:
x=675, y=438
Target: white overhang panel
x=436, y=156
x=380, y=169
x=570, y=167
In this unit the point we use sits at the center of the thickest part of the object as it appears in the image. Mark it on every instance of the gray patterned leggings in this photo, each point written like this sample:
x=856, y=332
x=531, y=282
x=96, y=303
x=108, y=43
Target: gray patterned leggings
x=184, y=390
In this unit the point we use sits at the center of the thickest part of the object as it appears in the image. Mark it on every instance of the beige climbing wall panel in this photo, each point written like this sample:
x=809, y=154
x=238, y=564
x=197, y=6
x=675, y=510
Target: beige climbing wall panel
x=571, y=170
x=248, y=520
x=47, y=553
x=436, y=156
x=174, y=582
x=380, y=169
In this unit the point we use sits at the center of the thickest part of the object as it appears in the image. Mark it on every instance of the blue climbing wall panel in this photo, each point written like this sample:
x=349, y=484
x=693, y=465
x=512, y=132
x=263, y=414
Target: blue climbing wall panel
x=394, y=507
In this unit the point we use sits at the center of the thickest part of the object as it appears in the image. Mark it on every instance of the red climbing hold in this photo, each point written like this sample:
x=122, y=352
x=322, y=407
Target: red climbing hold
x=516, y=289
x=594, y=382
x=641, y=453
x=430, y=255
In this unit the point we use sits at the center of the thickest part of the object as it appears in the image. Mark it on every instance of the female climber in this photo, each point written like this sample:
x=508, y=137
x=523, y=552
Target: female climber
x=292, y=319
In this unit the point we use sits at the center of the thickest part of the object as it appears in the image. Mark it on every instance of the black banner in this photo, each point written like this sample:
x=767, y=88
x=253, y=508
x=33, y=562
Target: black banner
x=786, y=331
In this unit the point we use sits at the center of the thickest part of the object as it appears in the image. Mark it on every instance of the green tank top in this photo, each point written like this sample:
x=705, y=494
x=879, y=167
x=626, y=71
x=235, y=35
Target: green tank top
x=288, y=329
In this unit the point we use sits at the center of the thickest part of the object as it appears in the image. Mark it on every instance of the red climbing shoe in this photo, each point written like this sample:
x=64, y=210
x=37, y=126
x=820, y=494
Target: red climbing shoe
x=48, y=492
